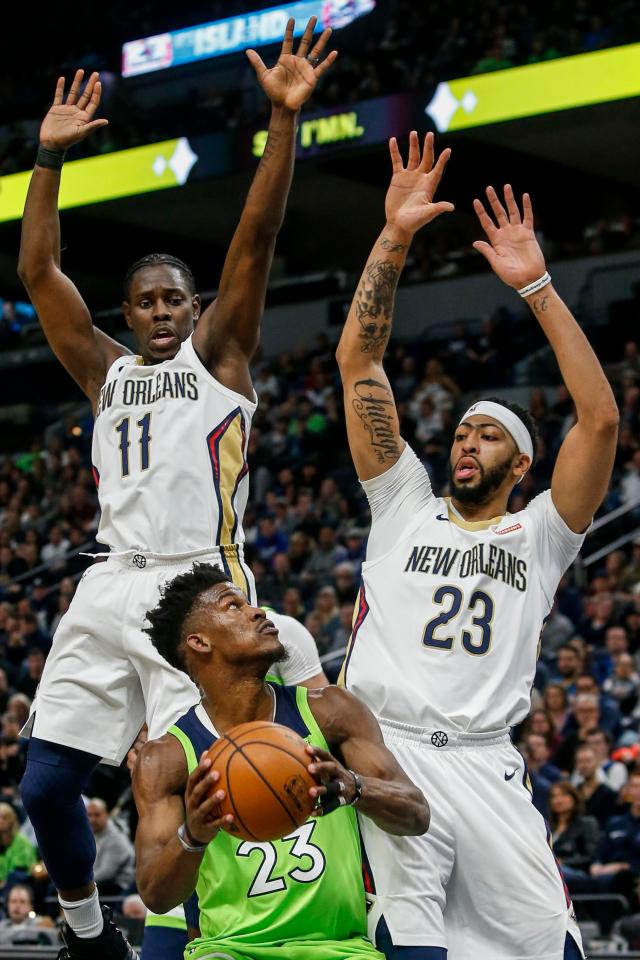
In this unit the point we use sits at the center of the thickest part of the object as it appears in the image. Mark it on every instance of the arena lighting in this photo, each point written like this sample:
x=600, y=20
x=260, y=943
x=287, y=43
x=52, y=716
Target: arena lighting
x=468, y=102
x=578, y=81
x=235, y=33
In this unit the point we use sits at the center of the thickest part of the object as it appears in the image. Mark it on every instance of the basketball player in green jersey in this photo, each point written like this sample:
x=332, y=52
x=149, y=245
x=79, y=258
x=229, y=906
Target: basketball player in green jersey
x=293, y=898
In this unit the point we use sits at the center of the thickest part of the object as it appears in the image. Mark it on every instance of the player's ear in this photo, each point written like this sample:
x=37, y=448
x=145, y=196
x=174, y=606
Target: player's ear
x=199, y=642
x=197, y=305
x=126, y=309
x=521, y=467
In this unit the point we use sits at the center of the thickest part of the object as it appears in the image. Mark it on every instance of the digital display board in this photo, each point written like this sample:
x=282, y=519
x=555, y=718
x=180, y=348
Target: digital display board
x=537, y=88
x=235, y=33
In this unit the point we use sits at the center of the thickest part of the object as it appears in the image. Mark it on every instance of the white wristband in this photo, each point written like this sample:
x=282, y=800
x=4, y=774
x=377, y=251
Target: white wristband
x=536, y=285
x=186, y=843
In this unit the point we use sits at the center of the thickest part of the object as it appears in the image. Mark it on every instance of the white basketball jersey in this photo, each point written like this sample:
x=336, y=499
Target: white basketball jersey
x=169, y=453
x=448, y=619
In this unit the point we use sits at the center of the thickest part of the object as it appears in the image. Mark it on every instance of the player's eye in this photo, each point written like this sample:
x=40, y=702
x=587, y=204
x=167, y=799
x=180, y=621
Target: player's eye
x=176, y=301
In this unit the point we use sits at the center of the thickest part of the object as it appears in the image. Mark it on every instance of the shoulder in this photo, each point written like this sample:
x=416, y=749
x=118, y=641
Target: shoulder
x=161, y=767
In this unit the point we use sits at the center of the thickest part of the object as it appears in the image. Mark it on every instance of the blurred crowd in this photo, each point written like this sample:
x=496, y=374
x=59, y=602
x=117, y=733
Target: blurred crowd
x=399, y=46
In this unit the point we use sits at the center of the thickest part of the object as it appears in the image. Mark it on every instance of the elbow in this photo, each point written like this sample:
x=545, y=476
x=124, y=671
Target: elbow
x=154, y=893
x=30, y=272
x=607, y=420
x=422, y=817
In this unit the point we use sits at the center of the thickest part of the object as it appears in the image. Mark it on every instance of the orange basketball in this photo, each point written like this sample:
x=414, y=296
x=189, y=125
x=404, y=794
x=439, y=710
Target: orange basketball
x=263, y=771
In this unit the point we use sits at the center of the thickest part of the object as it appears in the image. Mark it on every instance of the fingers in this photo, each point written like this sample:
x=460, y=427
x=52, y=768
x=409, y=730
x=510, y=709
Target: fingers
x=443, y=206
x=307, y=37
x=427, y=154
x=74, y=90
x=496, y=206
x=441, y=163
x=287, y=42
x=396, y=157
x=89, y=88
x=319, y=753
x=486, y=222
x=257, y=63
x=59, y=94
x=486, y=250
x=94, y=125
x=318, y=48
x=527, y=210
x=414, y=151
x=512, y=206
x=322, y=68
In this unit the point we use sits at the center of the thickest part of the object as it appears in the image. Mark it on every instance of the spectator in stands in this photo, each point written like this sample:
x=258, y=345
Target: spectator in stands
x=631, y=573
x=600, y=801
x=31, y=673
x=613, y=773
x=542, y=772
x=630, y=483
x=54, y=551
x=22, y=925
x=326, y=555
x=556, y=705
x=617, y=864
x=609, y=713
x=568, y=667
x=624, y=683
x=17, y=854
x=575, y=835
x=114, y=867
x=12, y=767
x=557, y=630
x=585, y=715
x=616, y=642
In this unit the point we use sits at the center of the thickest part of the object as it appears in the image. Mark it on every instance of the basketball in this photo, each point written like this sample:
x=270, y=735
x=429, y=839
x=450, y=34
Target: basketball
x=263, y=771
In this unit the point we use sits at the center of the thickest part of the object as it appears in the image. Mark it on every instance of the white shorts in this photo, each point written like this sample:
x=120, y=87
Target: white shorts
x=482, y=882
x=103, y=677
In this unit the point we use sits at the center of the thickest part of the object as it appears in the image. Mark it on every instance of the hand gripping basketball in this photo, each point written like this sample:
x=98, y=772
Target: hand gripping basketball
x=338, y=785
x=202, y=800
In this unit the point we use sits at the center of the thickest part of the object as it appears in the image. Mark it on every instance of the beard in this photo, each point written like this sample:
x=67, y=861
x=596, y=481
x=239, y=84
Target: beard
x=480, y=493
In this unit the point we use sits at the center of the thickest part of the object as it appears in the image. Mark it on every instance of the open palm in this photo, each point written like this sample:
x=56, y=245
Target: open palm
x=513, y=250
x=409, y=201
x=292, y=80
x=70, y=122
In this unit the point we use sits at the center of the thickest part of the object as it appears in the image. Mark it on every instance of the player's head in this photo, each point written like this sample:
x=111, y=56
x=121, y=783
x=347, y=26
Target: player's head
x=204, y=625
x=160, y=305
x=493, y=448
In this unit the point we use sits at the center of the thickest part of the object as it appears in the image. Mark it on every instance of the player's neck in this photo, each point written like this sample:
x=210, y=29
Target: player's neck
x=244, y=700
x=477, y=512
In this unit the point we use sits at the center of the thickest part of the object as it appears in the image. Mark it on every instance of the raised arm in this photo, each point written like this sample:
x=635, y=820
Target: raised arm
x=388, y=796
x=372, y=421
x=228, y=332
x=84, y=351
x=583, y=469
x=166, y=873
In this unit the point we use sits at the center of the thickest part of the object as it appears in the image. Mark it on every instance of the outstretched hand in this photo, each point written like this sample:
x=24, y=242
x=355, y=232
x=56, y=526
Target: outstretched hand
x=513, y=250
x=68, y=122
x=292, y=80
x=409, y=201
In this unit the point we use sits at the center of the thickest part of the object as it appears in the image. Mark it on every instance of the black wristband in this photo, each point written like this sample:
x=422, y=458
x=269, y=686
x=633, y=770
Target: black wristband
x=51, y=159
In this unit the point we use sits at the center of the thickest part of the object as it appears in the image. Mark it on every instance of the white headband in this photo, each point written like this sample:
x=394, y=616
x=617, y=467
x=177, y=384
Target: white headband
x=506, y=418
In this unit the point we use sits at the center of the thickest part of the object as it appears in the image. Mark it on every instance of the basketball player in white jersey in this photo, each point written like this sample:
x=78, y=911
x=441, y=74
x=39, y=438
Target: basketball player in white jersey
x=169, y=452
x=454, y=594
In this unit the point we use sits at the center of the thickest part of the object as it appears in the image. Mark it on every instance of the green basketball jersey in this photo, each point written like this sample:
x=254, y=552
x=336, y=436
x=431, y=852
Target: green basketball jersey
x=302, y=896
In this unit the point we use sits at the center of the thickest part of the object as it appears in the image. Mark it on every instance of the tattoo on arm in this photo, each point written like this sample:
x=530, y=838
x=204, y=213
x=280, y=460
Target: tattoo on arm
x=391, y=246
x=540, y=304
x=374, y=305
x=373, y=403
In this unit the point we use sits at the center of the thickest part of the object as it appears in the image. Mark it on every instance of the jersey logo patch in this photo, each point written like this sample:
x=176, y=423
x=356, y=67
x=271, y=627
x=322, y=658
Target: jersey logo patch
x=439, y=738
x=439, y=516
x=510, y=776
x=511, y=529
x=139, y=560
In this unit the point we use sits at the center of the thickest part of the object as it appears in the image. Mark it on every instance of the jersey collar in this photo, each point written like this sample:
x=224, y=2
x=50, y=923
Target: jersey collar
x=456, y=518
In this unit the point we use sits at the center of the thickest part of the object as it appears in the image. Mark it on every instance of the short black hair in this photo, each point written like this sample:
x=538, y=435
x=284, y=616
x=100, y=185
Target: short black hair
x=523, y=414
x=177, y=600
x=152, y=260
